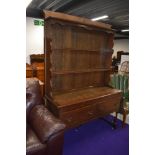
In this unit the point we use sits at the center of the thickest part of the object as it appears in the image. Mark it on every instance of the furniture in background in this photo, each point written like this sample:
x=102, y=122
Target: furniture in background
x=120, y=53
x=77, y=68
x=124, y=69
x=44, y=132
x=37, y=61
x=35, y=71
x=116, y=61
x=37, y=58
x=40, y=73
x=42, y=87
x=36, y=68
x=29, y=71
x=120, y=81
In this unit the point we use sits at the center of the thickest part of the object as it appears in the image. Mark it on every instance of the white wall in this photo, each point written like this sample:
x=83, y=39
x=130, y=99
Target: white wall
x=121, y=45
x=34, y=38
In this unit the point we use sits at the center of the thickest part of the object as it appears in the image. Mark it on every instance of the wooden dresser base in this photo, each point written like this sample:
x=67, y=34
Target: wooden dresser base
x=76, y=108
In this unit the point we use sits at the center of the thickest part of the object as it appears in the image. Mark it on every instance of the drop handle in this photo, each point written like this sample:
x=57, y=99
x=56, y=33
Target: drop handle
x=69, y=119
x=90, y=113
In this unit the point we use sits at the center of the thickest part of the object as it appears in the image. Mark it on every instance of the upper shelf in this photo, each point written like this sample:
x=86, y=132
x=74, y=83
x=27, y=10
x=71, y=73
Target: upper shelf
x=82, y=50
x=80, y=71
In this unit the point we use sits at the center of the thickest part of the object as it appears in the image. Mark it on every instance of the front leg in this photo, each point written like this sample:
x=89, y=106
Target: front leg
x=115, y=121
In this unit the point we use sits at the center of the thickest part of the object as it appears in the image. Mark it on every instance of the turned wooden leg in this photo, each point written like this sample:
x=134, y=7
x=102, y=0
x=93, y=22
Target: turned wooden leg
x=124, y=119
x=115, y=120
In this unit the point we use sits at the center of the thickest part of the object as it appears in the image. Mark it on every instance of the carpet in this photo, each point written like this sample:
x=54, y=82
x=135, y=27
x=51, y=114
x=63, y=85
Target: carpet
x=97, y=138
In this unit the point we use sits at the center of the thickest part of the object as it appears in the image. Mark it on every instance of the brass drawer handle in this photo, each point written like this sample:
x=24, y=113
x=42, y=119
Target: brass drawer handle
x=69, y=119
x=90, y=113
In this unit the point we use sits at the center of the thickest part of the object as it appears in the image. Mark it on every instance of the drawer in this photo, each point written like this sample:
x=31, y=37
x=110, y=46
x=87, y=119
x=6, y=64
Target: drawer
x=108, y=105
x=29, y=73
x=78, y=116
x=40, y=75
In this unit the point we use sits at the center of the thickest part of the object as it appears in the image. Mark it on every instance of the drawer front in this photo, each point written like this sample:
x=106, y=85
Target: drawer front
x=29, y=73
x=40, y=74
x=108, y=105
x=75, y=117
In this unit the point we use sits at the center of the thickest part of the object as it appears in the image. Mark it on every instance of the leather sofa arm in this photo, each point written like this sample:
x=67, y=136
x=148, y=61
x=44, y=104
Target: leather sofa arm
x=55, y=144
x=44, y=123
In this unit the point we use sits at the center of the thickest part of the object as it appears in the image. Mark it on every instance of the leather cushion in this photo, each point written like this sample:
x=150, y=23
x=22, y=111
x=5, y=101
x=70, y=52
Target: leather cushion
x=33, y=94
x=44, y=123
x=33, y=144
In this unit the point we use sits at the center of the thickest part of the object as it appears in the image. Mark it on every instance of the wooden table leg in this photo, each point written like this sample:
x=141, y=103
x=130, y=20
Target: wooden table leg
x=124, y=119
x=112, y=123
x=115, y=120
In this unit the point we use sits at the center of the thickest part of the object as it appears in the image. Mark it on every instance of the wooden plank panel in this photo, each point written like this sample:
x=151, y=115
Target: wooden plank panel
x=77, y=56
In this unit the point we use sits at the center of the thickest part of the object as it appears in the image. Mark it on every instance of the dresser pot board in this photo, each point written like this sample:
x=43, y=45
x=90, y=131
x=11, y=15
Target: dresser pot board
x=78, y=57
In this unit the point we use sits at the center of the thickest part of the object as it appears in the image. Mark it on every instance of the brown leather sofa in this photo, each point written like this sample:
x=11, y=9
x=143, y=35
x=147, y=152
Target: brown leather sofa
x=44, y=132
